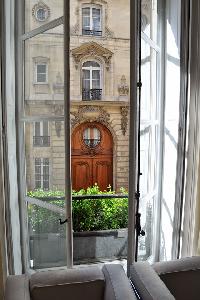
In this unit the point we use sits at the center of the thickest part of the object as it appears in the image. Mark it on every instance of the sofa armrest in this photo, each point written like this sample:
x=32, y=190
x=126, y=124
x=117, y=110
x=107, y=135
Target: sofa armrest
x=181, y=277
x=147, y=282
x=118, y=286
x=17, y=288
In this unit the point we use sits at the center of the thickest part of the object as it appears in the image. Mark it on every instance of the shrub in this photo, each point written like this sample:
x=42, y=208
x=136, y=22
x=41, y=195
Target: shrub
x=88, y=214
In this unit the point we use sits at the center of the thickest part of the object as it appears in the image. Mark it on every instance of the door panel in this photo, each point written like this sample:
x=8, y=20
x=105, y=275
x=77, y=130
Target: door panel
x=81, y=173
x=102, y=172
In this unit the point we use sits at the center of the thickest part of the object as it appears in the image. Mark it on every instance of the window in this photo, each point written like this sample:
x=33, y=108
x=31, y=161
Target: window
x=41, y=73
x=42, y=173
x=91, y=81
x=91, y=21
x=40, y=14
x=41, y=136
x=91, y=137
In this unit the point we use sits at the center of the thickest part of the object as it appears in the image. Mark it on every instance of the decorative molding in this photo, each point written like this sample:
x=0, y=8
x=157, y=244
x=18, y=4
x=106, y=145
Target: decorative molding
x=124, y=119
x=44, y=6
x=91, y=49
x=123, y=87
x=80, y=116
x=94, y=1
x=58, y=110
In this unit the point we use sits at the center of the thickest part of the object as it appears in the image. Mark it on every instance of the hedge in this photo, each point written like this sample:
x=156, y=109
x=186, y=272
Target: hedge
x=88, y=215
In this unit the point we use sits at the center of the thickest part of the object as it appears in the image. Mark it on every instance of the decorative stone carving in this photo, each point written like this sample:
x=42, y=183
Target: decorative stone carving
x=58, y=127
x=41, y=5
x=123, y=87
x=124, y=119
x=81, y=115
x=91, y=49
x=58, y=86
x=58, y=111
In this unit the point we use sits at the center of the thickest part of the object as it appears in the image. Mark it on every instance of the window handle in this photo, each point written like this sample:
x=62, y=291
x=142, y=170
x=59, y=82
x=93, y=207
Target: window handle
x=63, y=222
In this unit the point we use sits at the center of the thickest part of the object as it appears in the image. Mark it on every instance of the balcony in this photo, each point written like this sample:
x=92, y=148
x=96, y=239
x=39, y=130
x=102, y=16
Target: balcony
x=41, y=141
x=92, y=94
x=92, y=32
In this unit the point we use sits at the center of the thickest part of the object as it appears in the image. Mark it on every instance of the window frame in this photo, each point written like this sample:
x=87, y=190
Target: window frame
x=91, y=7
x=43, y=164
x=37, y=64
x=41, y=135
x=91, y=69
x=21, y=118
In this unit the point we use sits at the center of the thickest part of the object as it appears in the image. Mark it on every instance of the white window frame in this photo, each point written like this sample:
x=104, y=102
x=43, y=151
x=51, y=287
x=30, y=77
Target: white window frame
x=37, y=73
x=22, y=118
x=91, y=6
x=41, y=132
x=42, y=165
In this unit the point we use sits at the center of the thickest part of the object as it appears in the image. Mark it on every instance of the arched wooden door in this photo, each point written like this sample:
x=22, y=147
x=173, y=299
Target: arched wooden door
x=92, y=156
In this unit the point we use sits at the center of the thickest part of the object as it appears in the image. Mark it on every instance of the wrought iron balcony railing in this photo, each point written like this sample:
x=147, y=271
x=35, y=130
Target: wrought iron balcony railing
x=92, y=94
x=41, y=141
x=92, y=32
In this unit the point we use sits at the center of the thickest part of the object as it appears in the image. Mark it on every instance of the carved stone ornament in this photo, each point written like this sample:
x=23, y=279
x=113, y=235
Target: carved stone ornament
x=58, y=110
x=123, y=87
x=58, y=127
x=41, y=5
x=91, y=49
x=80, y=116
x=58, y=86
x=124, y=119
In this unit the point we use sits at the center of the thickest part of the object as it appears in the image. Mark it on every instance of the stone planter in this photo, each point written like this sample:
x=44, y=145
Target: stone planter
x=48, y=250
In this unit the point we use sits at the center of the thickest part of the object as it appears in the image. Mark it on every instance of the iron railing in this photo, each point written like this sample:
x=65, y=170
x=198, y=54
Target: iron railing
x=92, y=94
x=41, y=141
x=92, y=32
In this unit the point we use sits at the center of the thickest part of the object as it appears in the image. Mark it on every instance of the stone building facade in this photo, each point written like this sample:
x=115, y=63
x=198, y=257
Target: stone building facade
x=99, y=85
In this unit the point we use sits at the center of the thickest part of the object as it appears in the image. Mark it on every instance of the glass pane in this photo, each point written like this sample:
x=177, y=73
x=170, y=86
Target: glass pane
x=100, y=225
x=44, y=54
x=38, y=13
x=45, y=169
x=149, y=20
x=91, y=64
x=37, y=129
x=171, y=126
x=149, y=148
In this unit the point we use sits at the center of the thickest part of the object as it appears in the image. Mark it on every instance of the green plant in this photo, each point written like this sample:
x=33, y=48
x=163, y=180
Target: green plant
x=88, y=215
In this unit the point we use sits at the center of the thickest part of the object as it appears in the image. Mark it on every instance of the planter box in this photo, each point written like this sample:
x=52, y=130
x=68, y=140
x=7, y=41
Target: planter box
x=48, y=250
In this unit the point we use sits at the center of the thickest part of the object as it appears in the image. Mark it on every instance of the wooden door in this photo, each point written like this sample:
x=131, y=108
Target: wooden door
x=92, y=156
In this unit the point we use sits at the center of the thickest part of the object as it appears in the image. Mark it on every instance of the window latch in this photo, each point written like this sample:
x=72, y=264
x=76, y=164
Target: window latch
x=138, y=228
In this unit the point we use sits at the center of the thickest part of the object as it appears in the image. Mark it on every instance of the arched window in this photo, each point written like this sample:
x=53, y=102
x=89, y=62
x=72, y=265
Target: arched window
x=91, y=81
x=91, y=20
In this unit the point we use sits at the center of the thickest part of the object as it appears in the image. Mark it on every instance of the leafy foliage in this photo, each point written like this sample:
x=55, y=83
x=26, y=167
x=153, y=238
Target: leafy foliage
x=88, y=214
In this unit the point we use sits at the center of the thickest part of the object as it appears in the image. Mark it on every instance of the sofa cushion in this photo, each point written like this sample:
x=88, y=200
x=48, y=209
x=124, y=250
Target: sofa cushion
x=73, y=284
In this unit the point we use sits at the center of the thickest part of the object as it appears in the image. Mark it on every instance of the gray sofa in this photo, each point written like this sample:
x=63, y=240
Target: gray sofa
x=178, y=279
x=86, y=283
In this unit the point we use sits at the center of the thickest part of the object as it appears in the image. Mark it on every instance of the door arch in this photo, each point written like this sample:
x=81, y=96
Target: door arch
x=92, y=156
